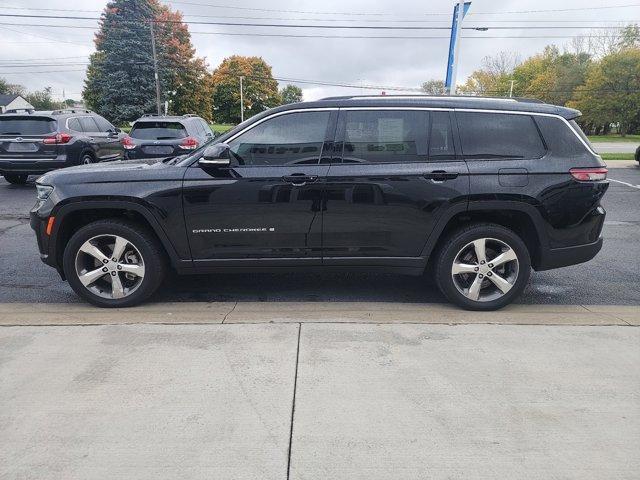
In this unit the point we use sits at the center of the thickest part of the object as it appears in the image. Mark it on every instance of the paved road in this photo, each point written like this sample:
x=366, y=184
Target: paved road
x=615, y=147
x=611, y=278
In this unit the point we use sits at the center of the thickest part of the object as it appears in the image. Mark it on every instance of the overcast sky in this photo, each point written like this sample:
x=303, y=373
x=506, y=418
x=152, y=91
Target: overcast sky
x=386, y=62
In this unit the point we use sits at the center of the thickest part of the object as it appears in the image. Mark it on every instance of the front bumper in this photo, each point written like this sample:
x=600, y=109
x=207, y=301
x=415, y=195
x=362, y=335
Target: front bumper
x=39, y=226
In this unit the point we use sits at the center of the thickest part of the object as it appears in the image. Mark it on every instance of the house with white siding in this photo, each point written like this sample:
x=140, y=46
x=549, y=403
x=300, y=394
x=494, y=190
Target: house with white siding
x=9, y=103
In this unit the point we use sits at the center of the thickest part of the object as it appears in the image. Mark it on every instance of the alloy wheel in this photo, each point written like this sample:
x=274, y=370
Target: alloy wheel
x=110, y=266
x=485, y=269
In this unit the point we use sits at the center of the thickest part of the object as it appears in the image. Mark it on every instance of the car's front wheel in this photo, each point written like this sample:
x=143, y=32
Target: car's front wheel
x=114, y=263
x=483, y=267
x=16, y=179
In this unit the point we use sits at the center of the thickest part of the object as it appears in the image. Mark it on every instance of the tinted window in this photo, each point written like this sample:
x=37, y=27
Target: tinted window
x=441, y=137
x=158, y=130
x=283, y=140
x=206, y=128
x=88, y=124
x=27, y=126
x=384, y=136
x=560, y=138
x=103, y=125
x=74, y=124
x=499, y=135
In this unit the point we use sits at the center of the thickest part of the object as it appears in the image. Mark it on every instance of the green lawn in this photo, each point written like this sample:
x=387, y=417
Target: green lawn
x=618, y=156
x=615, y=138
x=221, y=127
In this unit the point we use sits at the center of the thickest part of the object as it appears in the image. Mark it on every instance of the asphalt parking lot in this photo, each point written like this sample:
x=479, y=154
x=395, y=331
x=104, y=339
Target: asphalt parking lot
x=307, y=377
x=610, y=278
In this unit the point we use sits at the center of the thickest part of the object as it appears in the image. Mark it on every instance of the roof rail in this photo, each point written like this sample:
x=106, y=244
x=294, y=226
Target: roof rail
x=151, y=115
x=70, y=110
x=189, y=115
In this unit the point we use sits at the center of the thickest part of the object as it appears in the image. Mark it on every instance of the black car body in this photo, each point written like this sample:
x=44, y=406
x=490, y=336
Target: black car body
x=38, y=142
x=383, y=183
x=154, y=136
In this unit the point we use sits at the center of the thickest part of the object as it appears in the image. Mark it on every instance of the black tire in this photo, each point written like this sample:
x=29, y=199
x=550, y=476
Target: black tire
x=87, y=158
x=16, y=179
x=141, y=238
x=456, y=242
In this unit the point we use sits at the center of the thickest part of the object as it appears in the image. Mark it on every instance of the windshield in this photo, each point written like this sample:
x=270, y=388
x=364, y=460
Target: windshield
x=158, y=131
x=27, y=126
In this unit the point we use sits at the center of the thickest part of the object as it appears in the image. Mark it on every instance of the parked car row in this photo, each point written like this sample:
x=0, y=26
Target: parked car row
x=33, y=143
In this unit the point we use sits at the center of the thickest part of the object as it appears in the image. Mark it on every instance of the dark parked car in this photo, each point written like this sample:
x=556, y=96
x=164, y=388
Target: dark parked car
x=474, y=191
x=37, y=142
x=638, y=155
x=155, y=136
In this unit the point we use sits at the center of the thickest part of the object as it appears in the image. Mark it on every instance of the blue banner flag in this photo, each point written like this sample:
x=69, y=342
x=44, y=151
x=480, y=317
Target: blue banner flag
x=452, y=41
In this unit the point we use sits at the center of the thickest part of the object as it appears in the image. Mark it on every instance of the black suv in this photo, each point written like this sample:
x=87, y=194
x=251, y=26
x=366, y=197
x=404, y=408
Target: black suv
x=155, y=136
x=35, y=143
x=474, y=191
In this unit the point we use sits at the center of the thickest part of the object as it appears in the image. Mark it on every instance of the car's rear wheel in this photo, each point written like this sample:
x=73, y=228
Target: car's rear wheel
x=87, y=159
x=16, y=179
x=114, y=263
x=483, y=267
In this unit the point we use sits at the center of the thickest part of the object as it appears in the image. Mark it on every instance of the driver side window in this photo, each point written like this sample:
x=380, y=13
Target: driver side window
x=293, y=138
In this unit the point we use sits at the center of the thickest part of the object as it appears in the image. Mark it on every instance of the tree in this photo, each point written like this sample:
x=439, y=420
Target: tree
x=42, y=99
x=184, y=76
x=433, y=87
x=291, y=94
x=611, y=92
x=120, y=83
x=7, y=88
x=494, y=78
x=260, y=89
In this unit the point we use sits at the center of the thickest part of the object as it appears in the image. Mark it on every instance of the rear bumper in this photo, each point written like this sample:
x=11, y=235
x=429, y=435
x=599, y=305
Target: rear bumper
x=31, y=165
x=563, y=257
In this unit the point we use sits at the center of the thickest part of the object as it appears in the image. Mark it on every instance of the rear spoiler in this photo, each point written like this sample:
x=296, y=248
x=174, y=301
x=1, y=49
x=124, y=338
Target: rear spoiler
x=569, y=113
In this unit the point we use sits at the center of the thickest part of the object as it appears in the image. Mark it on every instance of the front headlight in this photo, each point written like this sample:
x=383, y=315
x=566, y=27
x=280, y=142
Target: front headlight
x=43, y=191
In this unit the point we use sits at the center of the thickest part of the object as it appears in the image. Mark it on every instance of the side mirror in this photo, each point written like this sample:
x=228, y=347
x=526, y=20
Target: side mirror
x=216, y=156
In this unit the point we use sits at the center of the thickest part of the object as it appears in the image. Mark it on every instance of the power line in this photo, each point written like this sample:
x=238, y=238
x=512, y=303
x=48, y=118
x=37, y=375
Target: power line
x=276, y=25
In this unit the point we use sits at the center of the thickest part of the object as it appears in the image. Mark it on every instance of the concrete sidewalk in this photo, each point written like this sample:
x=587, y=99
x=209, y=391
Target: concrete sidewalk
x=313, y=312
x=319, y=401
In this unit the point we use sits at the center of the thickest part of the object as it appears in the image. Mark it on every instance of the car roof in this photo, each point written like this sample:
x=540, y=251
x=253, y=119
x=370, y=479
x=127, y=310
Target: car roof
x=165, y=118
x=448, y=102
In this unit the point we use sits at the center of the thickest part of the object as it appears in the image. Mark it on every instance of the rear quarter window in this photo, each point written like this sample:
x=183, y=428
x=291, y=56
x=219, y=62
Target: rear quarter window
x=27, y=126
x=499, y=135
x=158, y=130
x=561, y=139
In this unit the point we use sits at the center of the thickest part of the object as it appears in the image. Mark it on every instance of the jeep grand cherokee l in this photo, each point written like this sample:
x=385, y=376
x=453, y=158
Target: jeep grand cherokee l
x=35, y=143
x=474, y=191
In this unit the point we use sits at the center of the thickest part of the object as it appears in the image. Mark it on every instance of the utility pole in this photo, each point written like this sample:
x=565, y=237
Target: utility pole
x=511, y=89
x=155, y=69
x=456, y=50
x=241, y=99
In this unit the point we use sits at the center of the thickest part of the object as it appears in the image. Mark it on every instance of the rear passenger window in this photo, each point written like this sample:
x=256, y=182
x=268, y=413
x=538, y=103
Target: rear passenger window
x=499, y=135
x=441, y=137
x=560, y=138
x=88, y=124
x=384, y=136
x=103, y=125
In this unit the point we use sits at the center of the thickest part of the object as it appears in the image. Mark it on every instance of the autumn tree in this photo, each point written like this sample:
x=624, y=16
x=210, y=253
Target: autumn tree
x=434, y=87
x=291, y=94
x=260, y=90
x=494, y=77
x=611, y=92
x=184, y=76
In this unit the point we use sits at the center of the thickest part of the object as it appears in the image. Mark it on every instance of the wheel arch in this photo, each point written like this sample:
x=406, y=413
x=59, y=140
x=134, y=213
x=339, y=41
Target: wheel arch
x=523, y=219
x=72, y=216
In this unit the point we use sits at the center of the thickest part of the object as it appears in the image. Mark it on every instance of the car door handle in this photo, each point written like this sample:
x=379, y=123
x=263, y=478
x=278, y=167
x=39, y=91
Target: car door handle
x=440, y=175
x=299, y=179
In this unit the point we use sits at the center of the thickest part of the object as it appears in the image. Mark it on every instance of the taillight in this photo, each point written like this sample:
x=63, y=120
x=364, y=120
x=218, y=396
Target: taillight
x=589, y=174
x=189, y=143
x=57, y=138
x=127, y=143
